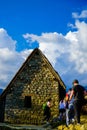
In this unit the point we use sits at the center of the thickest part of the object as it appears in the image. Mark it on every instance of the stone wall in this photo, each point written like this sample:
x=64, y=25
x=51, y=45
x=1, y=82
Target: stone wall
x=36, y=80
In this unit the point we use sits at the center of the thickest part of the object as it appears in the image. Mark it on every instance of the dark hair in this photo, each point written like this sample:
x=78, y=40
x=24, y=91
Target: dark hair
x=49, y=99
x=70, y=89
x=75, y=81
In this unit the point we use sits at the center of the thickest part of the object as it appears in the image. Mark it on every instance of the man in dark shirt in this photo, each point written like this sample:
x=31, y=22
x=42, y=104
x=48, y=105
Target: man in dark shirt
x=78, y=92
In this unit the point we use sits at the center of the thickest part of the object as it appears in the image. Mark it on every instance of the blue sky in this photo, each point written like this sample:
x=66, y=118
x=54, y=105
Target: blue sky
x=57, y=27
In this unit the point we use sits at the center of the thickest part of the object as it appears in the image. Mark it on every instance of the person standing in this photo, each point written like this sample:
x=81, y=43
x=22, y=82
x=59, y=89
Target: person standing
x=78, y=92
x=62, y=109
x=47, y=111
x=69, y=108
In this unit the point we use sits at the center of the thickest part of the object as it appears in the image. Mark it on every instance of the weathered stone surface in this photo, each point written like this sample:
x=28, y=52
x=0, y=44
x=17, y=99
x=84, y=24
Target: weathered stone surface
x=36, y=80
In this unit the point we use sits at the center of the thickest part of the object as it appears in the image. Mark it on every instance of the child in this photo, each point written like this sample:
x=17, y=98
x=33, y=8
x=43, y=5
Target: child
x=61, y=110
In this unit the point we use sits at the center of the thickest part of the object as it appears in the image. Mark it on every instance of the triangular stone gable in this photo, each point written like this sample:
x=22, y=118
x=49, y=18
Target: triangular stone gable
x=28, y=62
x=36, y=80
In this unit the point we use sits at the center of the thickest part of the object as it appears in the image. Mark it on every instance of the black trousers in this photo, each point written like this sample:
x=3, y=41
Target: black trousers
x=77, y=109
x=47, y=113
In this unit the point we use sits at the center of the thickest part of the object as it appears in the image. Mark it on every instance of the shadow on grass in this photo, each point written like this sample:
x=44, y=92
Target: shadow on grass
x=56, y=122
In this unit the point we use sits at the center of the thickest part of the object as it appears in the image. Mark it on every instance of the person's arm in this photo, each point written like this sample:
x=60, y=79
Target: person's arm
x=85, y=93
x=67, y=97
x=71, y=95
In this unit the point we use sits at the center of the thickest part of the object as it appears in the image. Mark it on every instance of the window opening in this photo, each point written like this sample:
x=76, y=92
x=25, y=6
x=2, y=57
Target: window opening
x=27, y=101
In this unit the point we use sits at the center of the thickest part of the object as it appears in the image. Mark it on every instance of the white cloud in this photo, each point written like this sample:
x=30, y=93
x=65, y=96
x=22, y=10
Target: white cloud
x=72, y=47
x=82, y=15
x=78, y=46
x=10, y=59
x=9, y=63
x=25, y=53
x=6, y=41
x=67, y=53
x=71, y=25
x=52, y=44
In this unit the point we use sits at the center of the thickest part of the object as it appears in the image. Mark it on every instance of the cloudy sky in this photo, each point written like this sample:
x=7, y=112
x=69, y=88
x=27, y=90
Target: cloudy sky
x=57, y=27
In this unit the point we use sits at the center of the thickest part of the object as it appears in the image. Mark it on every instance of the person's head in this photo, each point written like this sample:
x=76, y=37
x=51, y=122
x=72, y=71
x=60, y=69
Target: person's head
x=61, y=100
x=49, y=100
x=75, y=82
x=69, y=91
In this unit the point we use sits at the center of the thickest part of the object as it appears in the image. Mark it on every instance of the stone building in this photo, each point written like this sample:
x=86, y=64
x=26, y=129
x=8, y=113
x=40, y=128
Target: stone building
x=33, y=84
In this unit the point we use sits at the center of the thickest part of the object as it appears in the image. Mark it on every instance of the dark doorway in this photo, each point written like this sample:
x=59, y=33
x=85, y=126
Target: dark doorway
x=27, y=102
